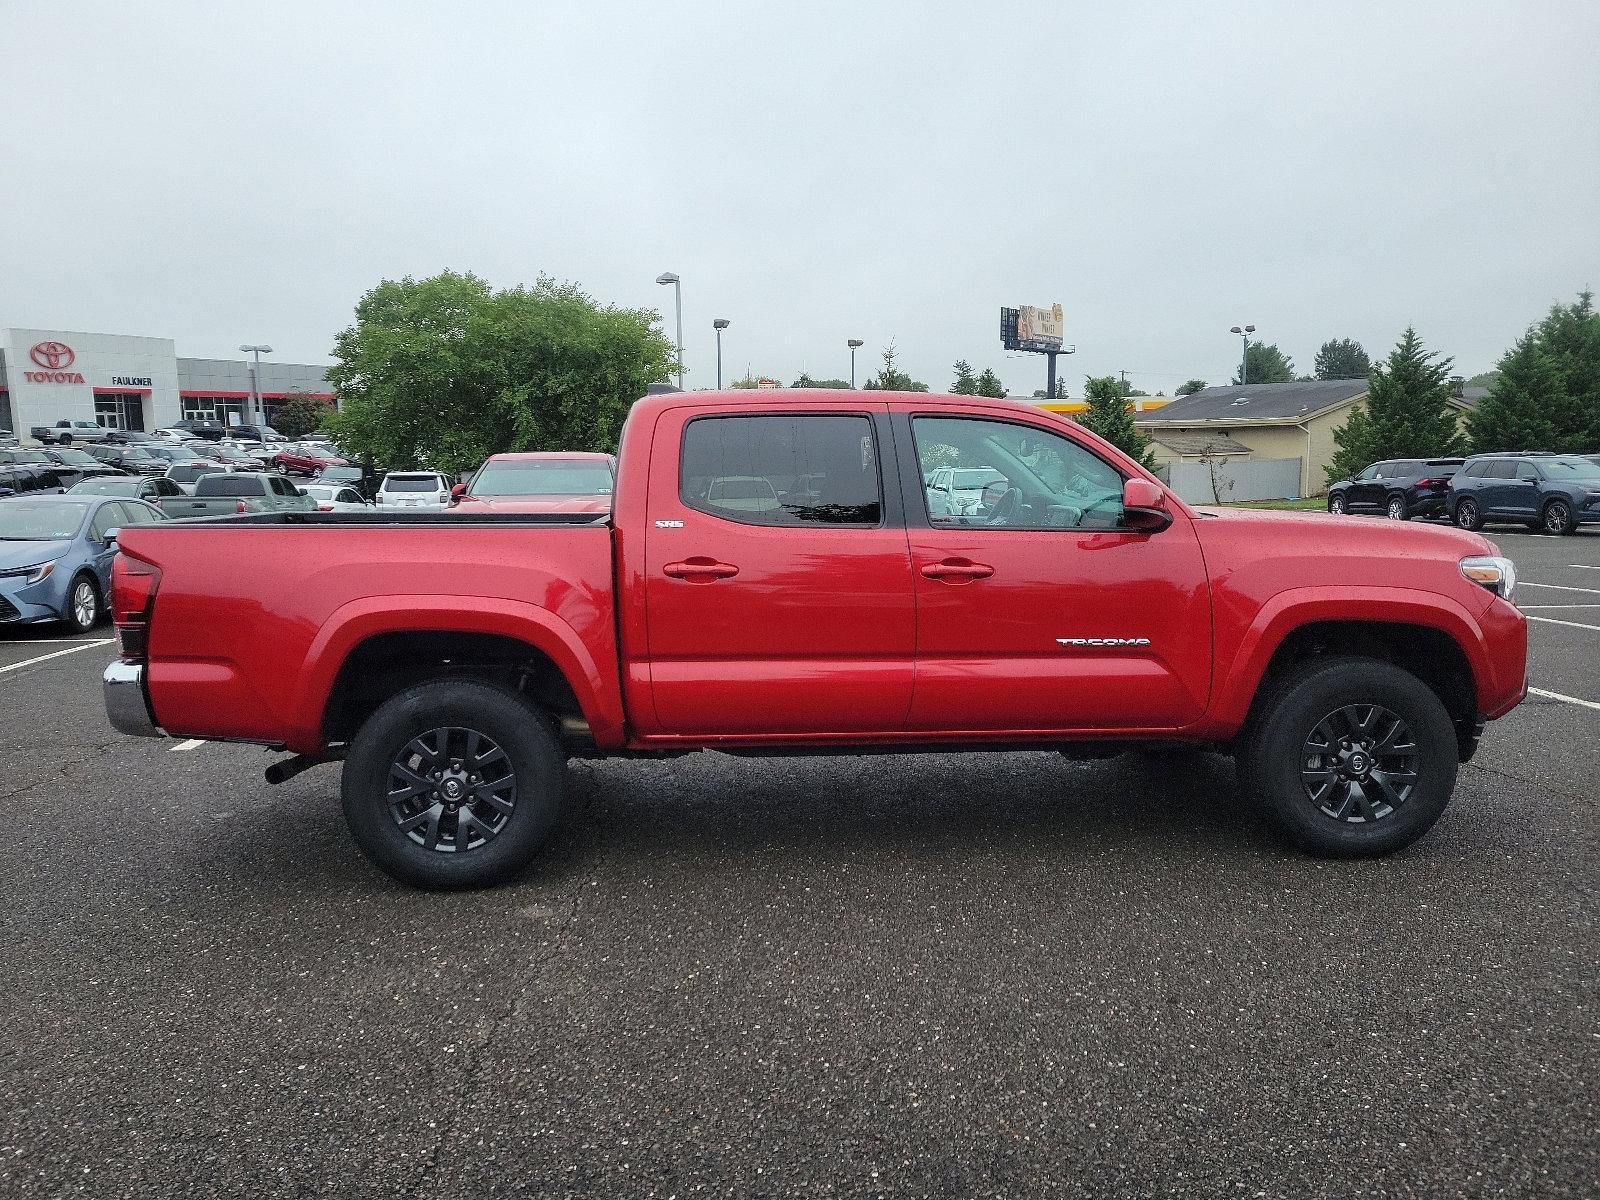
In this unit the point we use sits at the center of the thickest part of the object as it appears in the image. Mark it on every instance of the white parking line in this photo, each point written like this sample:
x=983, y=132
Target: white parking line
x=46, y=641
x=1574, y=624
x=189, y=745
x=1584, y=566
x=1526, y=607
x=1533, y=691
x=28, y=662
x=1561, y=587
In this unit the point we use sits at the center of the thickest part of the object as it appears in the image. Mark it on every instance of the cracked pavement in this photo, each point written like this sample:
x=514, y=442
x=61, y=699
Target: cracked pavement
x=936, y=975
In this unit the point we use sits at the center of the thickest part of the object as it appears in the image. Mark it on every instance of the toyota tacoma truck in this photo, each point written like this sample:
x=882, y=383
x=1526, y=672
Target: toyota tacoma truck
x=217, y=491
x=453, y=663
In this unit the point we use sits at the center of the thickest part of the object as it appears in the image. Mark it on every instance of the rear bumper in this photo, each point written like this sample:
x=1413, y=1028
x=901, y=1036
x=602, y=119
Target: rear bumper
x=126, y=704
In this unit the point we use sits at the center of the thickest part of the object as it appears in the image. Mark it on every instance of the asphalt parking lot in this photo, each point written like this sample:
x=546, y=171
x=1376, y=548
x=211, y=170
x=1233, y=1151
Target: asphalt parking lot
x=938, y=975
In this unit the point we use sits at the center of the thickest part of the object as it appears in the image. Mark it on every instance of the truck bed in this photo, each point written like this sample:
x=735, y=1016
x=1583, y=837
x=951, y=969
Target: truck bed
x=256, y=613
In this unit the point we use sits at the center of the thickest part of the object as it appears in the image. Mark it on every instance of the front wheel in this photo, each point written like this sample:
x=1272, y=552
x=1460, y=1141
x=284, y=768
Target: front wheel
x=453, y=784
x=1557, y=517
x=83, y=605
x=1397, y=509
x=1468, y=516
x=1351, y=757
x=1336, y=505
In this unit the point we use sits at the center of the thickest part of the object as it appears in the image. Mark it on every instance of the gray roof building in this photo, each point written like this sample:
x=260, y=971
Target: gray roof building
x=1254, y=402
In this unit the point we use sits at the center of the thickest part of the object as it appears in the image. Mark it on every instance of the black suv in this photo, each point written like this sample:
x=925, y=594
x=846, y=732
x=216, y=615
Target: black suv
x=1399, y=488
x=211, y=431
x=1553, y=492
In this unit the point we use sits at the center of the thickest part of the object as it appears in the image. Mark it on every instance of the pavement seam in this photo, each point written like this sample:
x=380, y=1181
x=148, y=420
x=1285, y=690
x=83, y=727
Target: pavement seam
x=472, y=1071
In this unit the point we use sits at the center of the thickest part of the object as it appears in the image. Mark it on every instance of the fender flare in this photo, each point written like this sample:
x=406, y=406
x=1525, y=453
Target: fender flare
x=353, y=623
x=1239, y=680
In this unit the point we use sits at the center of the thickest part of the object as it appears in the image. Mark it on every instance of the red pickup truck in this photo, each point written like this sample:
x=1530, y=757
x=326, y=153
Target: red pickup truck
x=778, y=575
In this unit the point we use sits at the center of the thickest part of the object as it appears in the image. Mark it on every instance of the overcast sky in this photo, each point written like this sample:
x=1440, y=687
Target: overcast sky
x=227, y=173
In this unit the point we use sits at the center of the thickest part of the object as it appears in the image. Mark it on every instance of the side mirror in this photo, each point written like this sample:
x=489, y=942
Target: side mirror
x=1144, y=507
x=459, y=490
x=112, y=535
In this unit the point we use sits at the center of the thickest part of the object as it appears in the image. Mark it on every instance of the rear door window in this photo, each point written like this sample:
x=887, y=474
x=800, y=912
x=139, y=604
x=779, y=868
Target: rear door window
x=782, y=469
x=412, y=483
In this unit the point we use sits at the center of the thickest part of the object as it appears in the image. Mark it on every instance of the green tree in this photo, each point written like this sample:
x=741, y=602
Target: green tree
x=1407, y=413
x=299, y=414
x=1267, y=364
x=1569, y=336
x=988, y=384
x=891, y=378
x=966, y=383
x=1342, y=358
x=1108, y=416
x=1517, y=413
x=805, y=381
x=1190, y=387
x=446, y=371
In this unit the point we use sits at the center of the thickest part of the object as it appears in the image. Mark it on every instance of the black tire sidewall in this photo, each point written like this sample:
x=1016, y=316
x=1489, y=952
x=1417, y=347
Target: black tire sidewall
x=1272, y=753
x=72, y=603
x=1544, y=517
x=536, y=758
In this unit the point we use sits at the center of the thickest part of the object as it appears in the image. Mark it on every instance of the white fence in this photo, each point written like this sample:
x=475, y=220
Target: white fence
x=1224, y=480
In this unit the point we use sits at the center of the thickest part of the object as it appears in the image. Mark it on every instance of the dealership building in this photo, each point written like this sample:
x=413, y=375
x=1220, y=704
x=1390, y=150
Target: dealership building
x=49, y=375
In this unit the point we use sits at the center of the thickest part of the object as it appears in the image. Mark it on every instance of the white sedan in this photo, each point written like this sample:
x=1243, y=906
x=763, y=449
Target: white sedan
x=334, y=497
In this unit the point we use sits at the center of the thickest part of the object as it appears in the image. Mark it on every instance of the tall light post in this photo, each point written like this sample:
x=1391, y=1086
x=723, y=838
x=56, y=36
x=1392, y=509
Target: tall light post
x=257, y=416
x=1244, y=359
x=854, y=344
x=677, y=292
x=719, y=324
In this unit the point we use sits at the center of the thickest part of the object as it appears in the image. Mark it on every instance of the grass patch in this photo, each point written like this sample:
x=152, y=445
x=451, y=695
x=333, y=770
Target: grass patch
x=1309, y=504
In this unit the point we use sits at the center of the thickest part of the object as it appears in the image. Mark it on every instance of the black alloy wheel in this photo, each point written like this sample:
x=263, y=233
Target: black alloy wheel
x=1468, y=516
x=1397, y=509
x=1336, y=505
x=1360, y=764
x=1557, y=517
x=451, y=790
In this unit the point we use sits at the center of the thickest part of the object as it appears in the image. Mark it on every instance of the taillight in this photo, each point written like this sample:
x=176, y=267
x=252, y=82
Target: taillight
x=324, y=508
x=133, y=596
x=1432, y=482
x=239, y=507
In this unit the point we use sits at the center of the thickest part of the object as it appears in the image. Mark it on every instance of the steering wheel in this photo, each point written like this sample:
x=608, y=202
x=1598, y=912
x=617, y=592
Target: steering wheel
x=1005, y=508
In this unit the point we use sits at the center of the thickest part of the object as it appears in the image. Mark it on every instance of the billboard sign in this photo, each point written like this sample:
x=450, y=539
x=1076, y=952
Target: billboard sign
x=1032, y=328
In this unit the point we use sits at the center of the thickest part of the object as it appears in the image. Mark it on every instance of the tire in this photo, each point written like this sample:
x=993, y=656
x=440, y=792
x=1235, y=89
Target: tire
x=1336, y=505
x=66, y=439
x=1556, y=517
x=1355, y=802
x=1467, y=515
x=283, y=468
x=83, y=604
x=382, y=753
x=1397, y=509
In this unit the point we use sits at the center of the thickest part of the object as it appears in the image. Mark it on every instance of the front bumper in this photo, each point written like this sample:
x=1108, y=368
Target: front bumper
x=126, y=704
x=28, y=604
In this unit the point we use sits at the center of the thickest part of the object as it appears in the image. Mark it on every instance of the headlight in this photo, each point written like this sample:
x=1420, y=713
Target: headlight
x=34, y=574
x=1497, y=574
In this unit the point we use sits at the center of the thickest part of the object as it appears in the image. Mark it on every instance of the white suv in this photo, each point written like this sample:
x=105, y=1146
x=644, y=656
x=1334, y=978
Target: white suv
x=413, y=489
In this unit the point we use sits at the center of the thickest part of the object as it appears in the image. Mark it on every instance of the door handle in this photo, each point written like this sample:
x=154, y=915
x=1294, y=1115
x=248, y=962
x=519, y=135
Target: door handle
x=957, y=570
x=700, y=569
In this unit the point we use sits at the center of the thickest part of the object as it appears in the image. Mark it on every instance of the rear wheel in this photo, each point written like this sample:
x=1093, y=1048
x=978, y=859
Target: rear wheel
x=453, y=784
x=1351, y=757
x=66, y=439
x=1336, y=505
x=1397, y=509
x=1468, y=516
x=1557, y=517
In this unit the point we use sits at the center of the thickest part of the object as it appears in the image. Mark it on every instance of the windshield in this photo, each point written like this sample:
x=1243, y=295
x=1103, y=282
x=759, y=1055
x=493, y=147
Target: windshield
x=342, y=473
x=512, y=478
x=77, y=456
x=40, y=520
x=975, y=480
x=27, y=456
x=1570, y=468
x=106, y=487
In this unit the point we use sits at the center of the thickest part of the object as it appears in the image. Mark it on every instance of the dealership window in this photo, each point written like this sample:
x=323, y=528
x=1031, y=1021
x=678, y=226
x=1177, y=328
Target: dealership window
x=782, y=470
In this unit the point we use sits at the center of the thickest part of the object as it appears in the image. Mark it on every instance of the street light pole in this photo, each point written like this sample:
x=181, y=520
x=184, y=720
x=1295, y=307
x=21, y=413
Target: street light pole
x=677, y=293
x=1244, y=358
x=258, y=417
x=854, y=344
x=719, y=324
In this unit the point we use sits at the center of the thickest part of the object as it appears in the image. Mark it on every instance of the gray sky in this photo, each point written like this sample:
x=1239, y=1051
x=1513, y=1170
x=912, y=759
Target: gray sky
x=220, y=173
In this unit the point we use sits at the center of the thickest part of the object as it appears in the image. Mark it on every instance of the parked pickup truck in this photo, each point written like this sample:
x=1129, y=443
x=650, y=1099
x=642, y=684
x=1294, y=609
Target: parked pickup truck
x=225, y=493
x=64, y=433
x=455, y=661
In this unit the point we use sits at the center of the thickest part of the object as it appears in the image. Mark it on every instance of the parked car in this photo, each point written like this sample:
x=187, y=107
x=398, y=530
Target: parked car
x=66, y=432
x=364, y=480
x=179, y=454
x=24, y=479
x=454, y=663
x=542, y=482
x=302, y=458
x=56, y=554
x=1399, y=488
x=955, y=491
x=257, y=433
x=228, y=493
x=128, y=437
x=154, y=490
x=231, y=455
x=413, y=489
x=335, y=497
x=7, y=438
x=69, y=464
x=1556, y=493
x=135, y=457
x=207, y=430
x=187, y=474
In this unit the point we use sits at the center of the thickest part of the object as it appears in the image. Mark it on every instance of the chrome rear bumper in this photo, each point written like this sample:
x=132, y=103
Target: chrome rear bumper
x=126, y=706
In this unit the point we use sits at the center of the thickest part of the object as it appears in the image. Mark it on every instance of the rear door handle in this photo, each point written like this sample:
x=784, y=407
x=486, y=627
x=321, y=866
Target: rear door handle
x=700, y=569
x=957, y=570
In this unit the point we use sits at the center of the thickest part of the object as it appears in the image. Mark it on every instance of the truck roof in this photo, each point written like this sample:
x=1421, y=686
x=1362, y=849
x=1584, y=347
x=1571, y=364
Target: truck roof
x=825, y=398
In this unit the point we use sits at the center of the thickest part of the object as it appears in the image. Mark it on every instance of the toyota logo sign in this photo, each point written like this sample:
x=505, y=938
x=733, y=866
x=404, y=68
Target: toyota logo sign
x=52, y=356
